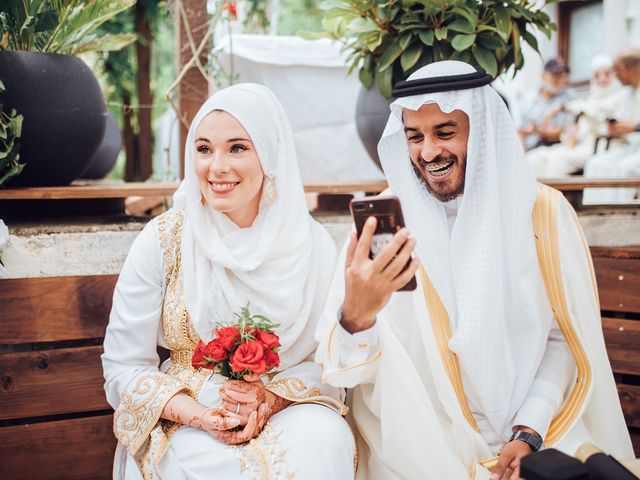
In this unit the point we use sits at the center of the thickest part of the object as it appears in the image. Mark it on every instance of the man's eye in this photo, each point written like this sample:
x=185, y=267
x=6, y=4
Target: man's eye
x=237, y=148
x=445, y=134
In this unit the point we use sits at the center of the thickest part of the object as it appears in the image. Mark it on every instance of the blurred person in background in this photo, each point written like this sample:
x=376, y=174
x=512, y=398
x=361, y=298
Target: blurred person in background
x=622, y=158
x=577, y=142
x=541, y=121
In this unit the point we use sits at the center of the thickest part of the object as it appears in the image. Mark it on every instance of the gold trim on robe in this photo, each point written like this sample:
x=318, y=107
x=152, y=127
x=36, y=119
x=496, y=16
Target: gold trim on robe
x=545, y=223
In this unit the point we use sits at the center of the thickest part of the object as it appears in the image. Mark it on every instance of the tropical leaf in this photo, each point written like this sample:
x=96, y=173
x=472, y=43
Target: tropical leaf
x=384, y=81
x=104, y=43
x=487, y=60
x=463, y=41
x=426, y=37
x=461, y=25
x=390, y=55
x=411, y=56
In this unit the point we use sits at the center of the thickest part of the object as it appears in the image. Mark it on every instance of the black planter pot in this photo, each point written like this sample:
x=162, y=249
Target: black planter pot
x=64, y=115
x=372, y=113
x=107, y=153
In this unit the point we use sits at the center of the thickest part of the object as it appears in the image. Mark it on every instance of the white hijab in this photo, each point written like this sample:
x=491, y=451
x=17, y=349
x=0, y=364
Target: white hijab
x=283, y=263
x=486, y=271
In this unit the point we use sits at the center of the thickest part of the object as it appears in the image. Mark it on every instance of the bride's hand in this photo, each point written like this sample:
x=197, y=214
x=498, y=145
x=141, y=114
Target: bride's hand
x=241, y=398
x=252, y=429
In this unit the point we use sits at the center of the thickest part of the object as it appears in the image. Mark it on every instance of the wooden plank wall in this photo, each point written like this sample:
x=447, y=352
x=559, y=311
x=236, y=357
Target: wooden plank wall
x=54, y=420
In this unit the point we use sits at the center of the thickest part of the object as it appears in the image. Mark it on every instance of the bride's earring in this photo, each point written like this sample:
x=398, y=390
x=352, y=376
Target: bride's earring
x=269, y=189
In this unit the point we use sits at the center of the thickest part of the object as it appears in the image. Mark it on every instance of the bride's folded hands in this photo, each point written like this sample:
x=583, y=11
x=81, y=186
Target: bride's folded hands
x=241, y=398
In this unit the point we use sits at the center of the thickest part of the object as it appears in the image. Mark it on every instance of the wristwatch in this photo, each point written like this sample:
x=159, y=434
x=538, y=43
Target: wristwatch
x=534, y=441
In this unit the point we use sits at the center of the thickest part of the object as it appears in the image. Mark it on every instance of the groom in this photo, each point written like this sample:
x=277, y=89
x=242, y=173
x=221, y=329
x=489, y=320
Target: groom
x=475, y=363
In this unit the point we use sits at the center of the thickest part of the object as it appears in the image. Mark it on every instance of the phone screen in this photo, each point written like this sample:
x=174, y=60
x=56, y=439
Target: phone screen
x=386, y=223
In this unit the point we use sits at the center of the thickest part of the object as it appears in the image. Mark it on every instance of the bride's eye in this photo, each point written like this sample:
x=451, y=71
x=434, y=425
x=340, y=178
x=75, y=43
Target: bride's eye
x=203, y=149
x=238, y=148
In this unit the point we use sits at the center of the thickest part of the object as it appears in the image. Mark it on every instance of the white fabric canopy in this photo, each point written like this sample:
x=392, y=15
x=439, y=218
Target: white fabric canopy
x=319, y=97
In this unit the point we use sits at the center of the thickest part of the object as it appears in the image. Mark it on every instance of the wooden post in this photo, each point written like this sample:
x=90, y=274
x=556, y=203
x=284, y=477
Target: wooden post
x=145, y=99
x=194, y=87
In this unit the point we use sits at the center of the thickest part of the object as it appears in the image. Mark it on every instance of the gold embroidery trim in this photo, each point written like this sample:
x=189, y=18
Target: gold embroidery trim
x=141, y=406
x=545, y=223
x=295, y=390
x=442, y=331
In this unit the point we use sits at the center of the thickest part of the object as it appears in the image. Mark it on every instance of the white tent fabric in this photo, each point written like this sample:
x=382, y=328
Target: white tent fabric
x=310, y=79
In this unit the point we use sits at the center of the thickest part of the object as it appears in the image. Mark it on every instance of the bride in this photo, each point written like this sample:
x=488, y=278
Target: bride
x=240, y=233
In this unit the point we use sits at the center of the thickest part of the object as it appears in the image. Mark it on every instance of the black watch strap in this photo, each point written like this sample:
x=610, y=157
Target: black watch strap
x=534, y=441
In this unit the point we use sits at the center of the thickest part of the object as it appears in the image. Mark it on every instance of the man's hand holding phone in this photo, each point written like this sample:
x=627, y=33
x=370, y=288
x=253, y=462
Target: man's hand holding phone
x=369, y=283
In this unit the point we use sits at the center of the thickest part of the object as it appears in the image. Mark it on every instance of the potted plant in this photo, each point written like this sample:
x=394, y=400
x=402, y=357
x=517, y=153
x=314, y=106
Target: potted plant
x=64, y=112
x=388, y=40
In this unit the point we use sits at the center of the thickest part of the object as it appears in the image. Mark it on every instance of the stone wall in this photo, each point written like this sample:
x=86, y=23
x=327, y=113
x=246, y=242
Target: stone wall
x=101, y=248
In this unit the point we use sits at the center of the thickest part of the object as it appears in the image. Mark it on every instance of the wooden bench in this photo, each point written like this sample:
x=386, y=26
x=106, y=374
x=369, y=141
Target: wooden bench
x=54, y=419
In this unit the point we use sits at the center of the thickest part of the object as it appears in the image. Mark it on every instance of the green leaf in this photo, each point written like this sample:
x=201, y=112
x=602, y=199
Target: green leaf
x=441, y=33
x=467, y=13
x=405, y=40
x=530, y=39
x=486, y=59
x=105, y=43
x=503, y=21
x=490, y=41
x=362, y=25
x=383, y=82
x=517, y=55
x=463, y=41
x=461, y=25
x=366, y=77
x=426, y=37
x=389, y=56
x=411, y=56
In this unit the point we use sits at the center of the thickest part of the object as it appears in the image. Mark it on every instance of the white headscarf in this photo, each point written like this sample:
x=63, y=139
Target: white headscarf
x=283, y=263
x=486, y=271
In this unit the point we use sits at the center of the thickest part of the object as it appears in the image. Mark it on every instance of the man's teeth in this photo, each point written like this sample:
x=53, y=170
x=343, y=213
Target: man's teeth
x=439, y=169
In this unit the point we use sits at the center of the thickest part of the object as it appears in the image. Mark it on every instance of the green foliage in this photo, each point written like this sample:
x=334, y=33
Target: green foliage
x=60, y=26
x=388, y=40
x=10, y=131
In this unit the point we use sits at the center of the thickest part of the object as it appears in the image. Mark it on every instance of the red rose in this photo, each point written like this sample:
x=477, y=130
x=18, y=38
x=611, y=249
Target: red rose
x=272, y=359
x=248, y=356
x=268, y=340
x=198, y=360
x=216, y=351
x=228, y=337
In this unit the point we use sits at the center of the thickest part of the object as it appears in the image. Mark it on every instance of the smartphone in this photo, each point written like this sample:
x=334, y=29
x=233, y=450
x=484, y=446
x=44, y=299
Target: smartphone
x=389, y=221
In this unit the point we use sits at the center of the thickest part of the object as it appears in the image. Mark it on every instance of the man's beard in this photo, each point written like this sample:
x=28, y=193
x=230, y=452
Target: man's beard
x=446, y=195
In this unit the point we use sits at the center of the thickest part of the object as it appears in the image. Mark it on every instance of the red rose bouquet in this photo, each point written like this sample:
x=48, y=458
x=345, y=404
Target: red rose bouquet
x=248, y=347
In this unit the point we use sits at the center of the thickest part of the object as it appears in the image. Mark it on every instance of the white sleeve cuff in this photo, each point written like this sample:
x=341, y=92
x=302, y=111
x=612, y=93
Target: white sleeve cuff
x=539, y=407
x=357, y=347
